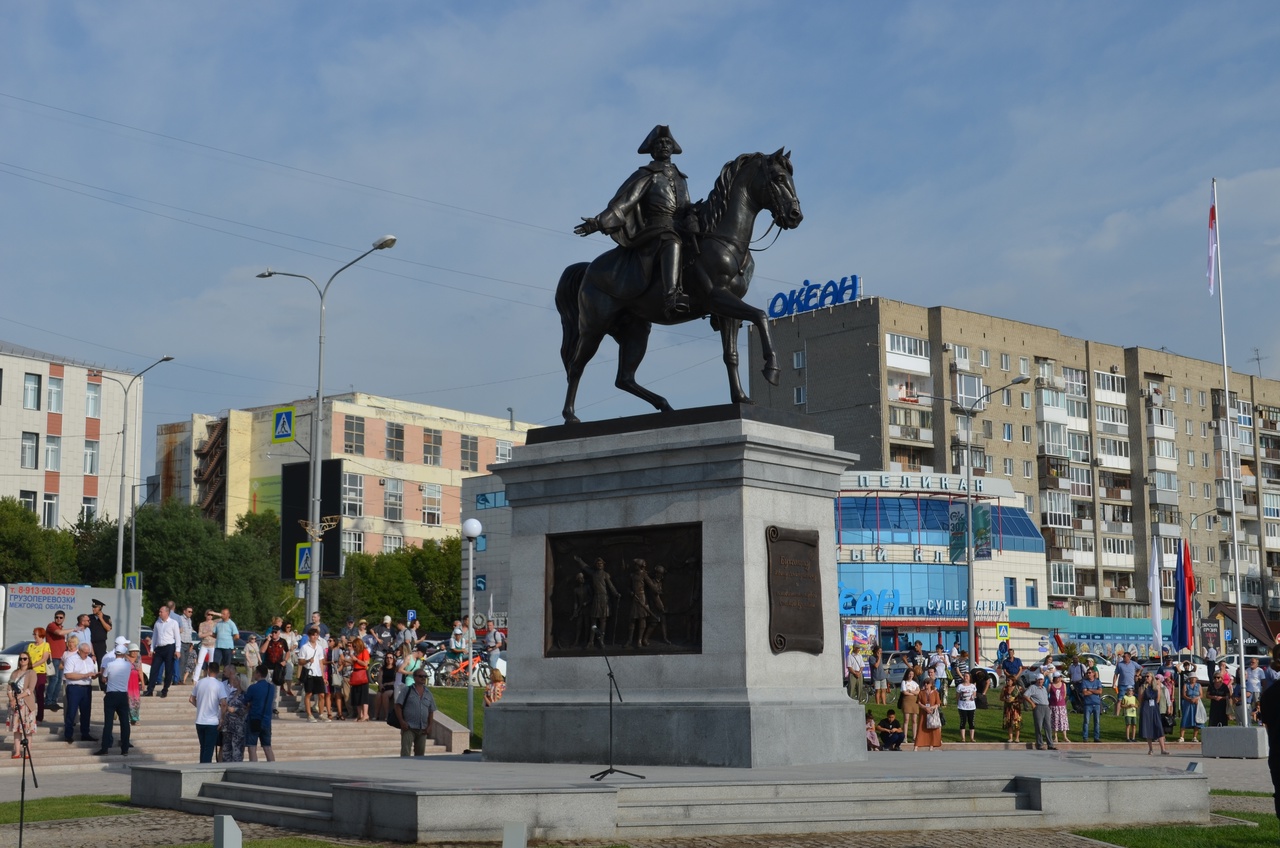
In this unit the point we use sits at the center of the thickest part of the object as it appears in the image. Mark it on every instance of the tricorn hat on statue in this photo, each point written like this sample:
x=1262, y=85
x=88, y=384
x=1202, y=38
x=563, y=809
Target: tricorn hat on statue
x=660, y=131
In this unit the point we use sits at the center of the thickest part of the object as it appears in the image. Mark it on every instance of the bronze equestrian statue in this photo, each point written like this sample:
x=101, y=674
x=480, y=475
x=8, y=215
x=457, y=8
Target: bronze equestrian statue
x=700, y=253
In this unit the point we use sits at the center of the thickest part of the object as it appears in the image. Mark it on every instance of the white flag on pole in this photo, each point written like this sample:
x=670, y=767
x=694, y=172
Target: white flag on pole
x=1153, y=584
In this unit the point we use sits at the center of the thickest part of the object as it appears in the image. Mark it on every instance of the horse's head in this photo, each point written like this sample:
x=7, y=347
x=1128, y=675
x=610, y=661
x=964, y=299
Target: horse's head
x=779, y=195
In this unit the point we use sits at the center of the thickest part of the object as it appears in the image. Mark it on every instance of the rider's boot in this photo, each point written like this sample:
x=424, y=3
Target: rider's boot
x=674, y=301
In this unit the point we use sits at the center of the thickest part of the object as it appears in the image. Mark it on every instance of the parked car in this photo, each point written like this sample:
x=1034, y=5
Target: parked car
x=1106, y=668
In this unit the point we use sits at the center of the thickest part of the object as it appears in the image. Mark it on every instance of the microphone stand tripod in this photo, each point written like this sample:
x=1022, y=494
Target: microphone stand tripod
x=613, y=687
x=18, y=714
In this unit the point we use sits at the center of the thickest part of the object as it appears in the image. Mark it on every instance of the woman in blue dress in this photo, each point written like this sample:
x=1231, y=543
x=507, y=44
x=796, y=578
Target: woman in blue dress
x=1190, y=708
x=1150, y=727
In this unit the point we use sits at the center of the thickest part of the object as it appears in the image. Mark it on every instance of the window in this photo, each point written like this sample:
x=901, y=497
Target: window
x=969, y=391
x=1006, y=397
x=1006, y=431
x=1057, y=508
x=1117, y=545
x=1173, y=394
x=1011, y=591
x=1077, y=408
x=1104, y=381
x=961, y=352
x=1113, y=447
x=31, y=391
x=908, y=346
x=989, y=463
x=90, y=457
x=393, y=500
x=1026, y=400
x=395, y=442
x=1163, y=448
x=494, y=500
x=797, y=359
x=1033, y=594
x=1008, y=467
x=1111, y=418
x=392, y=543
x=986, y=429
x=1208, y=492
x=431, y=447
x=432, y=504
x=798, y=396
x=89, y=508
x=352, y=542
x=470, y=453
x=1203, y=400
x=353, y=435
x=1004, y=362
x=52, y=453
x=1186, y=396
x=49, y=517
x=1191, y=458
x=1028, y=468
x=54, y=397
x=353, y=495
x=502, y=452
x=1024, y=366
x=984, y=358
x=1270, y=507
x=1026, y=434
x=27, y=499
x=1081, y=481
x=92, y=400
x=1166, y=481
x=1053, y=438
x=1078, y=446
x=1161, y=417
x=1188, y=427
x=1077, y=382
x=30, y=452
x=1062, y=578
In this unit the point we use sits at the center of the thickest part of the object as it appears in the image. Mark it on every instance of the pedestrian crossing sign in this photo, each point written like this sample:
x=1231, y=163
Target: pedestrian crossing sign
x=1002, y=630
x=132, y=580
x=282, y=430
x=302, y=561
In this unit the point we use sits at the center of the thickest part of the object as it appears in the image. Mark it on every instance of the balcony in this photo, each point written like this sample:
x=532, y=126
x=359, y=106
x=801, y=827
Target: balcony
x=977, y=440
x=1082, y=524
x=1119, y=528
x=1122, y=594
x=1089, y=592
x=911, y=434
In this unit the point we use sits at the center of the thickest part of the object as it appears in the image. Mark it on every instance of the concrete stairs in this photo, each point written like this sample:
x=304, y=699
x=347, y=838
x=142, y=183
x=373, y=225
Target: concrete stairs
x=166, y=734
x=711, y=810
x=305, y=804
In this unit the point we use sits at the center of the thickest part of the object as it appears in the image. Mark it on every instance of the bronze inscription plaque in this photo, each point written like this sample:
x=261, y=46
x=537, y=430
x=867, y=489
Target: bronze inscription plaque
x=636, y=590
x=795, y=591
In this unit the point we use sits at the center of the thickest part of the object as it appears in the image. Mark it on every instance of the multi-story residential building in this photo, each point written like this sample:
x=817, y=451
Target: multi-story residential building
x=403, y=463
x=63, y=421
x=1113, y=450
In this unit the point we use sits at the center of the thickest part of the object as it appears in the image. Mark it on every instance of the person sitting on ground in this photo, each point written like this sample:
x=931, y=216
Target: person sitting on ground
x=873, y=738
x=891, y=729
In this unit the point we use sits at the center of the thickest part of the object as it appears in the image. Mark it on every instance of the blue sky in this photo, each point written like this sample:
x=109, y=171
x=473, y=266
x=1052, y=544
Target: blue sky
x=1046, y=162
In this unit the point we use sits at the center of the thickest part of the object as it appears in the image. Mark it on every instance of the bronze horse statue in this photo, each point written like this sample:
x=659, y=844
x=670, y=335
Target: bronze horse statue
x=614, y=296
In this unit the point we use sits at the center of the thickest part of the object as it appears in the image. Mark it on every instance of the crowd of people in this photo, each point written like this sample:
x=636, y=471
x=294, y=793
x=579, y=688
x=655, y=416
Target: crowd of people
x=358, y=672
x=1153, y=703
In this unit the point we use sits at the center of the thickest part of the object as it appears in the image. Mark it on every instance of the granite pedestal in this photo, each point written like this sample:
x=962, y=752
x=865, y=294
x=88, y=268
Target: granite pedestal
x=736, y=472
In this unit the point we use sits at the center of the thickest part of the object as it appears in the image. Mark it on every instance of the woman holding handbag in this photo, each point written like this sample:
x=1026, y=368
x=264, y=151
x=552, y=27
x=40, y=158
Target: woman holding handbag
x=360, y=680
x=1191, y=709
x=929, y=729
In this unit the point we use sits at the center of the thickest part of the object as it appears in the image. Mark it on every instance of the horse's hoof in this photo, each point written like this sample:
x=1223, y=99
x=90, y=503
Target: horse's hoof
x=772, y=373
x=571, y=419
x=744, y=400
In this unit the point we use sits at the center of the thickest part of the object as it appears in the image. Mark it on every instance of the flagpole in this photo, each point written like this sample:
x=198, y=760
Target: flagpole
x=1231, y=457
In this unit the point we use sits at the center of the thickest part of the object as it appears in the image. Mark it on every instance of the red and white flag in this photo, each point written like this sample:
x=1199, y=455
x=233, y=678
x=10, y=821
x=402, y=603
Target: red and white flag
x=1213, y=240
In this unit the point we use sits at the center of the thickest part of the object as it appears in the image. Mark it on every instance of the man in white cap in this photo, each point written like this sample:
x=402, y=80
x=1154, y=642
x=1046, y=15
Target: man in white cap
x=1036, y=696
x=116, y=701
x=384, y=632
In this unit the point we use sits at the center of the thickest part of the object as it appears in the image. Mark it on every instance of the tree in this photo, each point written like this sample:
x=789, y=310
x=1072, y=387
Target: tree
x=30, y=553
x=426, y=579
x=436, y=569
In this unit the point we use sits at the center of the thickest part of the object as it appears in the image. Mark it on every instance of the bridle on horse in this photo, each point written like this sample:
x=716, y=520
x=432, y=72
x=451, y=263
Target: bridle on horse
x=745, y=250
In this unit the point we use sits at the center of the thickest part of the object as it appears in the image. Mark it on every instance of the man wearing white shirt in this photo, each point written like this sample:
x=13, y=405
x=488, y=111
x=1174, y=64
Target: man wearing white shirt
x=166, y=636
x=116, y=701
x=207, y=697
x=311, y=658
x=79, y=670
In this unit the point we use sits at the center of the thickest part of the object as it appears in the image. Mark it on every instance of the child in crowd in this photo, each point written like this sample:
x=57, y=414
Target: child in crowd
x=1129, y=706
x=873, y=738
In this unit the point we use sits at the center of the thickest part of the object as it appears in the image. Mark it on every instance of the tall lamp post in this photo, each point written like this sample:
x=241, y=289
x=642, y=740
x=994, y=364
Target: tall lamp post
x=314, y=531
x=472, y=529
x=124, y=464
x=969, y=410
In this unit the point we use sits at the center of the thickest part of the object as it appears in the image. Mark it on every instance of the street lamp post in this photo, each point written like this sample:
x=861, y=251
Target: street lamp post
x=472, y=529
x=317, y=421
x=124, y=464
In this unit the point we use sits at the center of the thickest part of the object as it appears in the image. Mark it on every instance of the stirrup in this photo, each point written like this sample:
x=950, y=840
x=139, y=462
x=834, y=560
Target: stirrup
x=677, y=301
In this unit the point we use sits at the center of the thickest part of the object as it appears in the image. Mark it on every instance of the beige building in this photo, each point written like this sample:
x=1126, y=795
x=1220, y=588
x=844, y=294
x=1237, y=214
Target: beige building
x=403, y=463
x=1109, y=447
x=64, y=423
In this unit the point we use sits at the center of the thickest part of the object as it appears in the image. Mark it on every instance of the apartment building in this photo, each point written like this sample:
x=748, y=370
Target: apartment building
x=403, y=463
x=62, y=421
x=1112, y=450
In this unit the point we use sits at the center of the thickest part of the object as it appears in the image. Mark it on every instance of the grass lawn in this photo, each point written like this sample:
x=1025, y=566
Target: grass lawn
x=987, y=723
x=452, y=701
x=72, y=807
x=1232, y=836
x=1240, y=794
x=285, y=842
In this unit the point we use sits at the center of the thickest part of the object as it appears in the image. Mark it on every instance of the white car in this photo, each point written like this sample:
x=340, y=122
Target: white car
x=1106, y=668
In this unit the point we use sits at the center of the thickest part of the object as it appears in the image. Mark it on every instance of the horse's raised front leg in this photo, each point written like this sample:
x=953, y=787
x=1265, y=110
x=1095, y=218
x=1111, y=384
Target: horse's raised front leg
x=729, y=341
x=632, y=335
x=726, y=304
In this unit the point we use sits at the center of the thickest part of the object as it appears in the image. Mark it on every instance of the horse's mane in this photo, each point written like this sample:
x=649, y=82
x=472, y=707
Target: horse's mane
x=711, y=210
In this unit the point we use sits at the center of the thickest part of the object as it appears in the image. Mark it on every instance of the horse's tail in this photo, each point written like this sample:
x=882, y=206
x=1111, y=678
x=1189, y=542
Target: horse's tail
x=567, y=305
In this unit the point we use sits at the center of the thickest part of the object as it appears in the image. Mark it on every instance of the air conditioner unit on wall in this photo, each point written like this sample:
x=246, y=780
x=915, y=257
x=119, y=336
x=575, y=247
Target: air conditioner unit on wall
x=946, y=347
x=1115, y=369
x=382, y=481
x=1097, y=460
